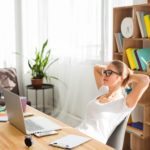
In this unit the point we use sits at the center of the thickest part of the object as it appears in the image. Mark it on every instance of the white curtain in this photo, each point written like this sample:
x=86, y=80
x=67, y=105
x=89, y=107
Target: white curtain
x=79, y=34
x=7, y=34
x=83, y=30
x=10, y=36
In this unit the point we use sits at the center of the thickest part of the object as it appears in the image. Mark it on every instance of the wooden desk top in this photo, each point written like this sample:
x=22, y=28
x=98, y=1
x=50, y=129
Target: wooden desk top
x=13, y=139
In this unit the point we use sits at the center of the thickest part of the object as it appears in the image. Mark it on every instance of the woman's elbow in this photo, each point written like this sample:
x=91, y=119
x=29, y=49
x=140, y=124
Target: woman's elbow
x=146, y=81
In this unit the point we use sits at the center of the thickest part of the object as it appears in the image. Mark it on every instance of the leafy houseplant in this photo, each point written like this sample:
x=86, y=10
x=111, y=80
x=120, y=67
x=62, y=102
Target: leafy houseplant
x=40, y=64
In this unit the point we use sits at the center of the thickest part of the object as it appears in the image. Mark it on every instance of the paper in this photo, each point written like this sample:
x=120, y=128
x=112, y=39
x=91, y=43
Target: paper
x=70, y=141
x=3, y=116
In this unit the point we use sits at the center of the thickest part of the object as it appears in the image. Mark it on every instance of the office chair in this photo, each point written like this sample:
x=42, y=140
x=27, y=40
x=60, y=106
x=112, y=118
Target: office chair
x=8, y=80
x=116, y=139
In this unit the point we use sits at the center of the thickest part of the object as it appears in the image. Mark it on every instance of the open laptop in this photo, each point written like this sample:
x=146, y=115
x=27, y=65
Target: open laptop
x=29, y=125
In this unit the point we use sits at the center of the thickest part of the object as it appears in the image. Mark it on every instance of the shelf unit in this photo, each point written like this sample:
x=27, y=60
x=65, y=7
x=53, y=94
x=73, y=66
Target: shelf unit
x=135, y=139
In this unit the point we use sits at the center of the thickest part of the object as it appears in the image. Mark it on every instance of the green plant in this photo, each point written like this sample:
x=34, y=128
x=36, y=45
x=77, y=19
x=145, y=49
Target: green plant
x=41, y=63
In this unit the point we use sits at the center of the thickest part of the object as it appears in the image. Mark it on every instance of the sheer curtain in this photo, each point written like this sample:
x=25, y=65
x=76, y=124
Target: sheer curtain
x=10, y=36
x=77, y=34
x=80, y=35
x=7, y=34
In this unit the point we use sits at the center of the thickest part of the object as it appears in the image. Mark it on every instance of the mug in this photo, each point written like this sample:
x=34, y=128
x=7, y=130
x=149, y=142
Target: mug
x=23, y=101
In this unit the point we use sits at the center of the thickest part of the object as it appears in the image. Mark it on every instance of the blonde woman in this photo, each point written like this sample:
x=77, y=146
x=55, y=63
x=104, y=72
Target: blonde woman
x=112, y=105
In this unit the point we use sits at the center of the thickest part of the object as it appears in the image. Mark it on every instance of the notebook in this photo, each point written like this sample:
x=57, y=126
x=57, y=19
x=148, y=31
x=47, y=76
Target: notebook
x=29, y=125
x=69, y=141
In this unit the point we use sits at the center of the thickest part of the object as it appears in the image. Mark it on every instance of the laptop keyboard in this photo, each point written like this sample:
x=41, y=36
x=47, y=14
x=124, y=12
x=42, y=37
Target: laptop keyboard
x=32, y=126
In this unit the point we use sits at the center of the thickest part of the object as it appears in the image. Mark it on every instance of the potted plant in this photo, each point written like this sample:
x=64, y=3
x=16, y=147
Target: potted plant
x=40, y=64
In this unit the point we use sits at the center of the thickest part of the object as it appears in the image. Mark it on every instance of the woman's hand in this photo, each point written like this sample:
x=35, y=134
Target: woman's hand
x=98, y=73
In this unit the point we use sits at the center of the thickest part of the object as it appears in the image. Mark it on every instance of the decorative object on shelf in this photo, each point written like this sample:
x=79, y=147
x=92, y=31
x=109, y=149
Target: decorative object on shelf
x=127, y=27
x=40, y=64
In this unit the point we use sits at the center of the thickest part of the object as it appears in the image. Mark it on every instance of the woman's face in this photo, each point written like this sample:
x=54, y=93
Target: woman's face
x=112, y=76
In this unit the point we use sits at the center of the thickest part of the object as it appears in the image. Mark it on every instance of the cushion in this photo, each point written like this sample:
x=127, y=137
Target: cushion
x=8, y=79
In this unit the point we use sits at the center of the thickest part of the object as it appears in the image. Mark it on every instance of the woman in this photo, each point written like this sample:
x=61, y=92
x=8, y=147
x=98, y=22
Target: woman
x=107, y=110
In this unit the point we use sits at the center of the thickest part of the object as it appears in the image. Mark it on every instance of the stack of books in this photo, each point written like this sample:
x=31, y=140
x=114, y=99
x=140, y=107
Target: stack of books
x=137, y=125
x=144, y=23
x=138, y=58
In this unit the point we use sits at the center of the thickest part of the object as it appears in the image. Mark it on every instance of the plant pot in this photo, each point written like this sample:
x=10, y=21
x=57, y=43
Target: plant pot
x=37, y=83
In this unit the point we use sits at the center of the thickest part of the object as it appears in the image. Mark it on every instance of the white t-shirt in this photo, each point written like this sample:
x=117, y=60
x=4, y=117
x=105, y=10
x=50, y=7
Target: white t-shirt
x=102, y=118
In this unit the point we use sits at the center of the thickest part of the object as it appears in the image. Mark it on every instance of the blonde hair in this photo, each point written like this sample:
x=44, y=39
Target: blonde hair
x=123, y=70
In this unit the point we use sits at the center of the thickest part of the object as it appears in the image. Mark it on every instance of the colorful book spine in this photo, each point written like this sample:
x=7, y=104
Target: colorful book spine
x=138, y=61
x=138, y=125
x=135, y=60
x=119, y=41
x=130, y=58
x=141, y=22
x=147, y=24
x=144, y=56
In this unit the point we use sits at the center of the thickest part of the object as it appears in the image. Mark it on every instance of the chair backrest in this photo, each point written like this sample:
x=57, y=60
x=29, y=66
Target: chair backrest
x=116, y=139
x=8, y=79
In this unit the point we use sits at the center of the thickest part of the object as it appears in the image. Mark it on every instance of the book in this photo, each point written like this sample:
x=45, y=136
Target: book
x=119, y=41
x=147, y=24
x=137, y=58
x=137, y=125
x=144, y=57
x=131, y=58
x=141, y=22
x=3, y=116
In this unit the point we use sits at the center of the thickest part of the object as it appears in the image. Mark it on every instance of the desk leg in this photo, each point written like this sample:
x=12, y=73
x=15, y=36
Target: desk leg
x=43, y=101
x=36, y=98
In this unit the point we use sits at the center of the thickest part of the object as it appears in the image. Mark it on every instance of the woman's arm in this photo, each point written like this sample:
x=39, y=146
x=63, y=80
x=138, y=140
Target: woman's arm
x=141, y=83
x=98, y=75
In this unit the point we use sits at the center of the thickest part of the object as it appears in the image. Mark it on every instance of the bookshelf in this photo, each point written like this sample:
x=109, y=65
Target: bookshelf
x=135, y=139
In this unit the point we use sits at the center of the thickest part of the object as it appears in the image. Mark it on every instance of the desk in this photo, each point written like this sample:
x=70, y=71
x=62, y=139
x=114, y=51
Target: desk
x=43, y=88
x=12, y=138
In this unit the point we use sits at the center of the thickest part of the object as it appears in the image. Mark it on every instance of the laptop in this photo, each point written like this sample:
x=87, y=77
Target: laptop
x=29, y=125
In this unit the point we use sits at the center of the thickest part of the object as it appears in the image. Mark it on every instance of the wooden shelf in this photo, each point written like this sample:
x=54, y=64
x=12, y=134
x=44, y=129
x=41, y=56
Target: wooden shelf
x=138, y=138
x=147, y=122
x=135, y=131
x=143, y=103
x=141, y=72
x=117, y=53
